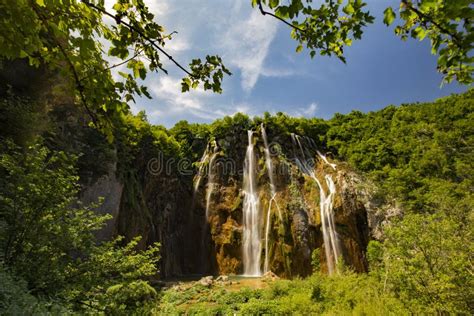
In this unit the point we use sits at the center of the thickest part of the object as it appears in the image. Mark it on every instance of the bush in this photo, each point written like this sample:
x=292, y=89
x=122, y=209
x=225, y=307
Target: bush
x=428, y=262
x=15, y=299
x=125, y=298
x=50, y=244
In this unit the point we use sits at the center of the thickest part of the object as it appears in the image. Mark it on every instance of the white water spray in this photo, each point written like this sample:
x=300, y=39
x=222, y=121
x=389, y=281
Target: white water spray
x=323, y=157
x=198, y=178
x=331, y=241
x=269, y=164
x=252, y=246
x=210, y=181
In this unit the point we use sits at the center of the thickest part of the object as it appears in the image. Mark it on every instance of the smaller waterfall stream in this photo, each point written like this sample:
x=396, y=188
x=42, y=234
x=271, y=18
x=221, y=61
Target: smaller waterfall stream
x=269, y=164
x=252, y=246
x=331, y=241
x=198, y=178
x=333, y=165
x=210, y=181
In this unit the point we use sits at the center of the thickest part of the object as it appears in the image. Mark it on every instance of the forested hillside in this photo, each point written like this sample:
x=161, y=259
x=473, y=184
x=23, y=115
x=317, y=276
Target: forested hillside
x=418, y=153
x=415, y=156
x=104, y=213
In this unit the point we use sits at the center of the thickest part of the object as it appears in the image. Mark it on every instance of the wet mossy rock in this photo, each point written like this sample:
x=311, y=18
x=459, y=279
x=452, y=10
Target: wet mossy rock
x=164, y=208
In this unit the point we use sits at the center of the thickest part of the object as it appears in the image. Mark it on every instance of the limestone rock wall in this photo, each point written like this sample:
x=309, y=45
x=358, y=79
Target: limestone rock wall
x=295, y=230
x=163, y=208
x=108, y=189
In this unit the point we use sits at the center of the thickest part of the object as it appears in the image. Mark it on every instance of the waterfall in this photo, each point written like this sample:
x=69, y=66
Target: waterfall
x=268, y=162
x=252, y=246
x=333, y=165
x=198, y=178
x=210, y=181
x=331, y=241
x=326, y=204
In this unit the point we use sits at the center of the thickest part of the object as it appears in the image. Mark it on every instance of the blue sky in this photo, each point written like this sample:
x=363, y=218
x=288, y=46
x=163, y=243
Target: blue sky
x=268, y=75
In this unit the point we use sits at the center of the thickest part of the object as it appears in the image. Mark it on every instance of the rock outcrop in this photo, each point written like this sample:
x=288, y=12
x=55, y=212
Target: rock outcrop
x=162, y=208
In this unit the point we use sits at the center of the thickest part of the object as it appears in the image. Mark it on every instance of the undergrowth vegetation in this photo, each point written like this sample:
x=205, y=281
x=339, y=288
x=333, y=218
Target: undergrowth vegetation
x=347, y=293
x=417, y=154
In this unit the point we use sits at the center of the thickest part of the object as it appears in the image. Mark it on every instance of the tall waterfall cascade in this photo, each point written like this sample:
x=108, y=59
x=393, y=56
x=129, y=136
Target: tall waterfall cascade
x=326, y=205
x=210, y=181
x=198, y=178
x=269, y=165
x=252, y=246
x=255, y=222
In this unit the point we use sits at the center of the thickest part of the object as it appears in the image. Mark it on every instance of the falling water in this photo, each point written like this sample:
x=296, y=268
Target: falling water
x=268, y=161
x=333, y=165
x=331, y=227
x=331, y=241
x=210, y=181
x=298, y=160
x=198, y=178
x=252, y=246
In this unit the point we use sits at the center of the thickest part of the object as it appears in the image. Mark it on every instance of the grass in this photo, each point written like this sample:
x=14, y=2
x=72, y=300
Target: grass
x=348, y=294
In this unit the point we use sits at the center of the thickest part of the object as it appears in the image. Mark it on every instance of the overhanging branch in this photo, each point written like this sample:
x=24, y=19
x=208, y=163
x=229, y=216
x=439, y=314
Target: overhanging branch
x=135, y=55
x=260, y=6
x=70, y=64
x=134, y=29
x=427, y=18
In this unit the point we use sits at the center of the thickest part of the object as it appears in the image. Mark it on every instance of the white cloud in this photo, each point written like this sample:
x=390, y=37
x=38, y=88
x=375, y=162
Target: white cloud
x=169, y=89
x=310, y=110
x=158, y=8
x=246, y=44
x=174, y=103
x=278, y=73
x=177, y=44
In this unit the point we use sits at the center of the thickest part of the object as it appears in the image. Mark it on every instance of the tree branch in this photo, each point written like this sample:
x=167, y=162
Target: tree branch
x=135, y=55
x=79, y=85
x=260, y=6
x=131, y=27
x=427, y=18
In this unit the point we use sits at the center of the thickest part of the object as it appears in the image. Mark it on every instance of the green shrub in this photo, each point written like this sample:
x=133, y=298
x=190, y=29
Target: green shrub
x=50, y=244
x=15, y=299
x=126, y=298
x=262, y=307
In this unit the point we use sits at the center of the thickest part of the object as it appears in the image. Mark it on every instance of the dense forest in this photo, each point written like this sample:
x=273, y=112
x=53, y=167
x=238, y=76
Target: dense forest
x=102, y=212
x=419, y=155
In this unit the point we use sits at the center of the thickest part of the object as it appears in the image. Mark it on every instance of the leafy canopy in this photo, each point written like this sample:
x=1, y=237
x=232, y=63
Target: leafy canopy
x=79, y=38
x=448, y=25
x=333, y=24
x=47, y=238
x=322, y=29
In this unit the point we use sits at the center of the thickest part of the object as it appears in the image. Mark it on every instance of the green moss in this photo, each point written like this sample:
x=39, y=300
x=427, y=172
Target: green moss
x=237, y=204
x=347, y=294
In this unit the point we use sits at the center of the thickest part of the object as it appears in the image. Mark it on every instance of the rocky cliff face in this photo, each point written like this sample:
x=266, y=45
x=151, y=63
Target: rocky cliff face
x=295, y=229
x=110, y=189
x=163, y=208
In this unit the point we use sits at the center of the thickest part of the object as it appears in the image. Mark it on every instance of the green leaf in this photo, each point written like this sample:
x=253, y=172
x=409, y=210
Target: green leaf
x=185, y=84
x=40, y=3
x=348, y=9
x=389, y=16
x=274, y=3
